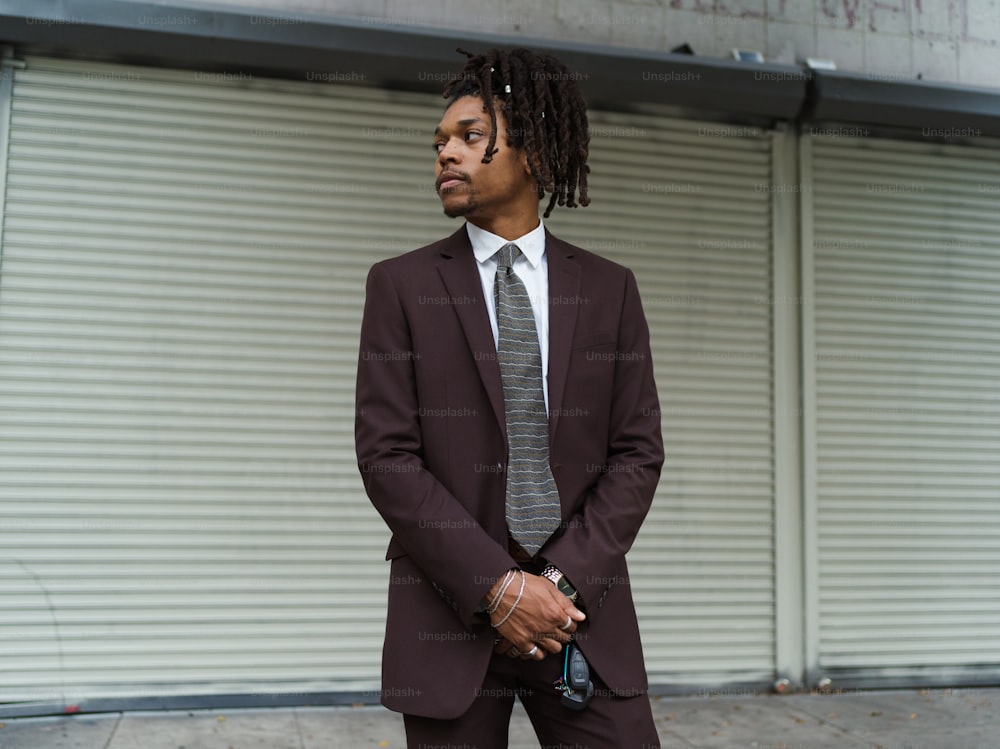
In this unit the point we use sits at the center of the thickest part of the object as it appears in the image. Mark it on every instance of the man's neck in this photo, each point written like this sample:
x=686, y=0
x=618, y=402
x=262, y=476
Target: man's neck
x=509, y=228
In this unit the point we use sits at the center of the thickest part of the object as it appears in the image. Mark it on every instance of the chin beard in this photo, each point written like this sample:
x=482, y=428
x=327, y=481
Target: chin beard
x=469, y=205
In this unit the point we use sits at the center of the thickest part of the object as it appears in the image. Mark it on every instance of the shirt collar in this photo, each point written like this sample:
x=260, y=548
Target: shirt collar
x=485, y=244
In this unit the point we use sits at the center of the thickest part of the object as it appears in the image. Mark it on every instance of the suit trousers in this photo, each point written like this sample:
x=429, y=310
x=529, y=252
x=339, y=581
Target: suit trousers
x=608, y=721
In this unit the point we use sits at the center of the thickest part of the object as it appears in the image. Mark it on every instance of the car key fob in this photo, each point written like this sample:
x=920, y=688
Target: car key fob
x=579, y=688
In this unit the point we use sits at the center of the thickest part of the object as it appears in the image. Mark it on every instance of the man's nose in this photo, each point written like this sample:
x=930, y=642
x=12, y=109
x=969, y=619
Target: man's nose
x=449, y=153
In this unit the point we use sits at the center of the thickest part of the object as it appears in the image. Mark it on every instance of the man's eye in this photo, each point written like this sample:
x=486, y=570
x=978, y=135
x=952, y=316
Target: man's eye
x=472, y=134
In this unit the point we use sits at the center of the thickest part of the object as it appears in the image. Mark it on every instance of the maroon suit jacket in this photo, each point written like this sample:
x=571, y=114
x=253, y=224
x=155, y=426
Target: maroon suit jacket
x=431, y=445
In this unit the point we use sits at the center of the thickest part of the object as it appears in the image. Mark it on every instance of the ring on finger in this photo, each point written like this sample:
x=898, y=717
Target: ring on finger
x=568, y=624
x=513, y=652
x=531, y=653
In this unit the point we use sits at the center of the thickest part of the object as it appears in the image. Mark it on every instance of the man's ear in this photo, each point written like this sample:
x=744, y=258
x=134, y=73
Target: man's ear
x=525, y=163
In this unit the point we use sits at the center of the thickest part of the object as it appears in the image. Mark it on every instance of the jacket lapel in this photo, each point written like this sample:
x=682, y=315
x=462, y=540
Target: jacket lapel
x=461, y=278
x=564, y=289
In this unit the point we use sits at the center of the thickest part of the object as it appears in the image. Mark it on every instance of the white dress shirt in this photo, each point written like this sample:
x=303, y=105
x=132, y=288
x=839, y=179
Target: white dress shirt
x=533, y=270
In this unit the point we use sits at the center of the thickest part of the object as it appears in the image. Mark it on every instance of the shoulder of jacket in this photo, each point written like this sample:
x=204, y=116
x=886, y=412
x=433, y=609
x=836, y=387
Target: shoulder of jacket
x=420, y=257
x=589, y=261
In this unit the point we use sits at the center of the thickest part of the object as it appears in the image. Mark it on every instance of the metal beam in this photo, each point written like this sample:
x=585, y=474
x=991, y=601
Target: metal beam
x=373, y=52
x=936, y=111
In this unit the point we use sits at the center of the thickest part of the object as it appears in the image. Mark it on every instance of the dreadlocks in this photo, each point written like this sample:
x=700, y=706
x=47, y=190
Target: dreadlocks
x=545, y=111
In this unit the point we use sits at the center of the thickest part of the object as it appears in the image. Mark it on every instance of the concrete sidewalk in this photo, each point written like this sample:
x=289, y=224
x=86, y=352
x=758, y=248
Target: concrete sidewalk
x=930, y=719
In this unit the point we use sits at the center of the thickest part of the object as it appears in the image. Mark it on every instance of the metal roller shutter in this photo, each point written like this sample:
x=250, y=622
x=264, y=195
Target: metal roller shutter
x=181, y=286
x=905, y=261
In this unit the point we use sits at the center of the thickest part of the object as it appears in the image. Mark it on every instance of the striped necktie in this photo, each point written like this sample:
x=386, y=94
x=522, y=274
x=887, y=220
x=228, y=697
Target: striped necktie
x=532, y=500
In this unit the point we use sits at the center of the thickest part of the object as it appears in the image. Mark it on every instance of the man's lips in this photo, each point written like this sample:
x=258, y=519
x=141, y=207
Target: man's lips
x=448, y=180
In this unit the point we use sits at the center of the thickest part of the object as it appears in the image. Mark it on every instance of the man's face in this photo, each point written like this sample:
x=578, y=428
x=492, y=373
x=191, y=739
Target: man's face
x=467, y=187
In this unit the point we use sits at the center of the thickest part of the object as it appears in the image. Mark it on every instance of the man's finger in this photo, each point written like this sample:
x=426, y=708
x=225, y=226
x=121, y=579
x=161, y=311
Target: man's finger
x=568, y=626
x=573, y=612
x=538, y=652
x=552, y=646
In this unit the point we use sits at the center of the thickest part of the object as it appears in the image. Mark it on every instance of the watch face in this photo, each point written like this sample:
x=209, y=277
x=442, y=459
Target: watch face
x=565, y=588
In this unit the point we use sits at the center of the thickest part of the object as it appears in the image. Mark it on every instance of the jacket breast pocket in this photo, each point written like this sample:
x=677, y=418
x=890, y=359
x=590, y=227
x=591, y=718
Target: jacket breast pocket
x=592, y=367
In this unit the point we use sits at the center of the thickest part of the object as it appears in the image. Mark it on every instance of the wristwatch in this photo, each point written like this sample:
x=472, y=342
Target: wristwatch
x=561, y=582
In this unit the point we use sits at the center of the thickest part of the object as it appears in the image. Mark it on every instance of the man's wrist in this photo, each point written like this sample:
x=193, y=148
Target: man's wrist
x=496, y=591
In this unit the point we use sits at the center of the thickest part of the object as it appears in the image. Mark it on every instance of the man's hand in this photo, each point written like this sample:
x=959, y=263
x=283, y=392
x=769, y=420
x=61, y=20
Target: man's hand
x=544, y=617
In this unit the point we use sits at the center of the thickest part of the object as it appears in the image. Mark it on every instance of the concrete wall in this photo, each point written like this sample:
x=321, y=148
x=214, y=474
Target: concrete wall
x=937, y=40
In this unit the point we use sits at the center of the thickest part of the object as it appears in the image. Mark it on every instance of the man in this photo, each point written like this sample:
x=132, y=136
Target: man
x=508, y=432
